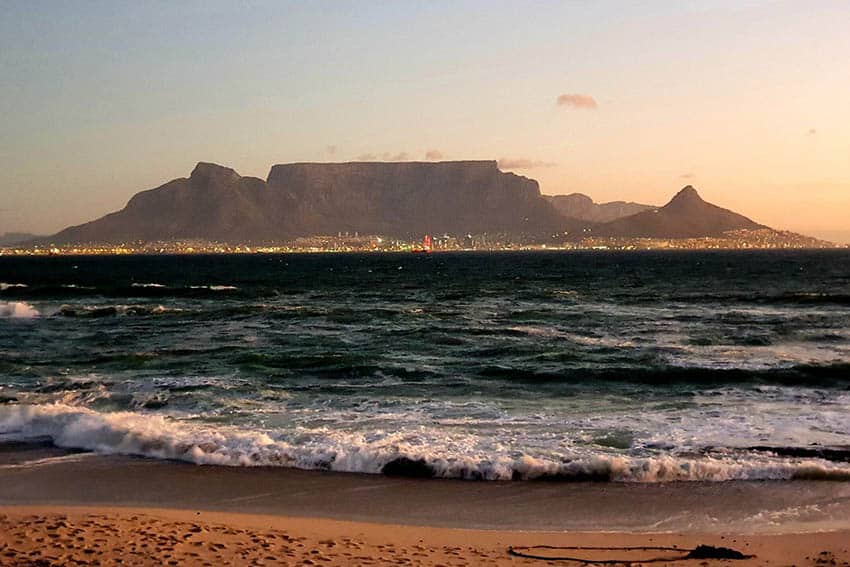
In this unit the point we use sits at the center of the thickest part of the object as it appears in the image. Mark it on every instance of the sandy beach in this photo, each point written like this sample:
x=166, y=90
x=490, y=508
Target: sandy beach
x=65, y=508
x=140, y=536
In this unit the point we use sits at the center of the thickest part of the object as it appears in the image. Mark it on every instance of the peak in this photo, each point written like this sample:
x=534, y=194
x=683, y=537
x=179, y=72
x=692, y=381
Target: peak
x=687, y=194
x=206, y=170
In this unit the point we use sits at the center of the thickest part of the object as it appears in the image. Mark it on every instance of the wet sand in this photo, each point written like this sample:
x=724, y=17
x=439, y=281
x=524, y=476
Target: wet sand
x=61, y=508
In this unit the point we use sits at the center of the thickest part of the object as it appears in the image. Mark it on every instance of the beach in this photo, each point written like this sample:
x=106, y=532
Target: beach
x=63, y=535
x=425, y=409
x=68, y=508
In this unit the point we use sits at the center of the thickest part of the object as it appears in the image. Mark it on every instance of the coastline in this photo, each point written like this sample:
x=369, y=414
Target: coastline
x=65, y=508
x=38, y=475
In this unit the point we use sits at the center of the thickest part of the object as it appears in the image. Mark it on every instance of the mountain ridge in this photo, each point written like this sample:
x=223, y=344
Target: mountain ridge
x=395, y=199
x=581, y=206
x=400, y=199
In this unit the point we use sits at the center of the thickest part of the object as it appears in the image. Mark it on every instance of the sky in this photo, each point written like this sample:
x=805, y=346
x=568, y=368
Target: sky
x=746, y=100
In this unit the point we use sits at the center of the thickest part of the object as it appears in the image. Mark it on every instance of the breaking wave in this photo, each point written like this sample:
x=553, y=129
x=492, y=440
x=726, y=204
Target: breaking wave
x=396, y=453
x=17, y=310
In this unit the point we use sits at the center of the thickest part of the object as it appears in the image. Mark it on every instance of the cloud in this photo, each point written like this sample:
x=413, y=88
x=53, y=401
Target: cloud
x=687, y=176
x=386, y=156
x=433, y=155
x=586, y=102
x=330, y=149
x=524, y=163
x=812, y=131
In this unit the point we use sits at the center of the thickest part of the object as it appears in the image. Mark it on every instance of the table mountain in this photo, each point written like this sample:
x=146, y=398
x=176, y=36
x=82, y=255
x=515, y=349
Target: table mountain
x=403, y=199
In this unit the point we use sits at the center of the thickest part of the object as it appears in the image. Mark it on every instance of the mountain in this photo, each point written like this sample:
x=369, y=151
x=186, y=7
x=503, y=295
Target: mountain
x=687, y=215
x=12, y=238
x=580, y=206
x=401, y=199
x=214, y=203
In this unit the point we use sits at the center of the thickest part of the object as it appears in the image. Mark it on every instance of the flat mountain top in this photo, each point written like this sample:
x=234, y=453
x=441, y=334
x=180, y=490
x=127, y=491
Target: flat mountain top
x=399, y=199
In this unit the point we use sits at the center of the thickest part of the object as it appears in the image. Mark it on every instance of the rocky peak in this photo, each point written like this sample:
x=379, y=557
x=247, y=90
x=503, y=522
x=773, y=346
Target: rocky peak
x=205, y=172
x=687, y=195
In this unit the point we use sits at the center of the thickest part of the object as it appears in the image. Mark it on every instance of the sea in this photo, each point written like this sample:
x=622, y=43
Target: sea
x=635, y=367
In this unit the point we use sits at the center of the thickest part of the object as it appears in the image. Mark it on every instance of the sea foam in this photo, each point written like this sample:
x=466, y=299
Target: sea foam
x=161, y=437
x=17, y=310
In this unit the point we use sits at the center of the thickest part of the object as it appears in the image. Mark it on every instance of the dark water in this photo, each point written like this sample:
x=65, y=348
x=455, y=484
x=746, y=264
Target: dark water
x=614, y=366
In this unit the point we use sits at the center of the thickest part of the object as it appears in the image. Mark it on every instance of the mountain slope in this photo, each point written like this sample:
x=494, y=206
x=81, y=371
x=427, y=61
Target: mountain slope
x=687, y=215
x=582, y=207
x=214, y=203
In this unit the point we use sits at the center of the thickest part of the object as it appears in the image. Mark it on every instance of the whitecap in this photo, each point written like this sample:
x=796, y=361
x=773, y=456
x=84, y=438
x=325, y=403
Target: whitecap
x=17, y=310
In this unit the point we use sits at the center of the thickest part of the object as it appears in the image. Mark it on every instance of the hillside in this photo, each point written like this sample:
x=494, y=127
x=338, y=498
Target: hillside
x=687, y=215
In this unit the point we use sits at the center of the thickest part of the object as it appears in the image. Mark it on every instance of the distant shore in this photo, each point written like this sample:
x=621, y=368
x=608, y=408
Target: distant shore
x=239, y=250
x=70, y=507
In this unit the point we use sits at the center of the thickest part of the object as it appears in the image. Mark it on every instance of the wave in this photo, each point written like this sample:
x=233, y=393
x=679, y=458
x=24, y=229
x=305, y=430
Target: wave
x=96, y=311
x=4, y=286
x=17, y=310
x=157, y=436
x=830, y=374
x=785, y=298
x=135, y=289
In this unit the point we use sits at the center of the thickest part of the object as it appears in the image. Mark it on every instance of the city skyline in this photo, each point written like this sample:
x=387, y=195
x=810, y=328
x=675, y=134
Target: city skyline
x=743, y=101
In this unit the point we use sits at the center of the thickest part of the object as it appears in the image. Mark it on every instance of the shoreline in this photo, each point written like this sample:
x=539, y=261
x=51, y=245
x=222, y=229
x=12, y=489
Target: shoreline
x=21, y=253
x=45, y=476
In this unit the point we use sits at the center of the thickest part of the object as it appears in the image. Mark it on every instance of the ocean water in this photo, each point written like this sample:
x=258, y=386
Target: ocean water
x=633, y=367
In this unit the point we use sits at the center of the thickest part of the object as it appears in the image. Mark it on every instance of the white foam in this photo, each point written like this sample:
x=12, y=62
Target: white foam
x=154, y=285
x=17, y=310
x=120, y=309
x=448, y=455
x=4, y=286
x=215, y=287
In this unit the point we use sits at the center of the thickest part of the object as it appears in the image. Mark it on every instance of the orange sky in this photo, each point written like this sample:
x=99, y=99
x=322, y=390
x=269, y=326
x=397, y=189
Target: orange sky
x=746, y=100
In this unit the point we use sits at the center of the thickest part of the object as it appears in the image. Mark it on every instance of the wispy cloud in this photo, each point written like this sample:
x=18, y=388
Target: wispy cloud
x=433, y=155
x=524, y=163
x=812, y=131
x=331, y=150
x=576, y=100
x=386, y=156
x=687, y=176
